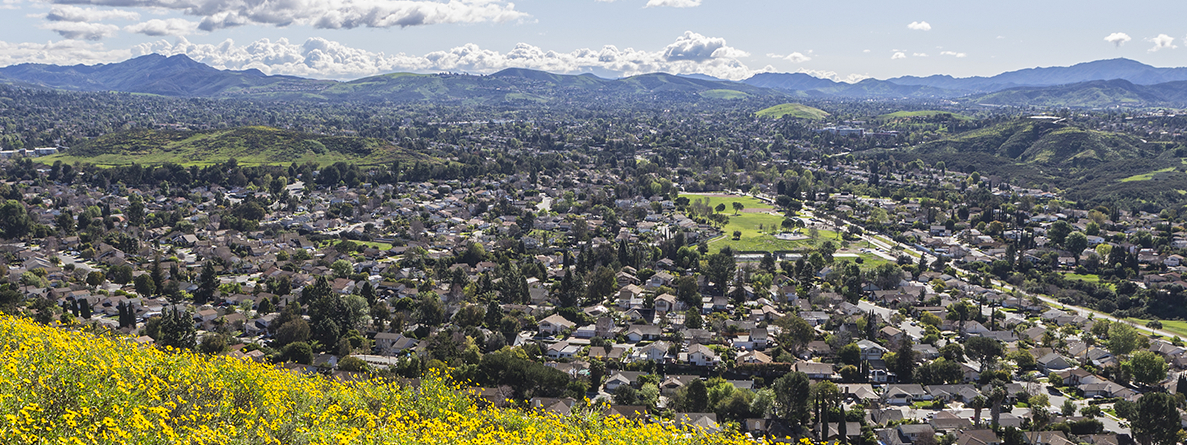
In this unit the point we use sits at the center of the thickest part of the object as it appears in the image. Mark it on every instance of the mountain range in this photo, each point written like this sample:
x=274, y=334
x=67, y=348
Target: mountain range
x=1102, y=83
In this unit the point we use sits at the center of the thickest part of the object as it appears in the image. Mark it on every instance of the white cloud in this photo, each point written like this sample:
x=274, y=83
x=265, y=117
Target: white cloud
x=673, y=3
x=1118, y=38
x=696, y=47
x=67, y=13
x=833, y=76
x=919, y=26
x=164, y=27
x=328, y=14
x=1163, y=41
x=321, y=58
x=953, y=53
x=865, y=50
x=81, y=30
x=795, y=57
x=898, y=55
x=63, y=52
x=919, y=54
x=10, y=4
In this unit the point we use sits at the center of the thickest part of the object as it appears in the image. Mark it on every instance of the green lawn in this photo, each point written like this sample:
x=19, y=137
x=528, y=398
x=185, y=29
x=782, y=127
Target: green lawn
x=1146, y=176
x=1090, y=278
x=1177, y=327
x=749, y=202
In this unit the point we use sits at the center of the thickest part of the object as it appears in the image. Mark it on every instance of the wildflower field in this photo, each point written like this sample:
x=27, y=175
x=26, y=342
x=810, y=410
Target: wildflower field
x=63, y=387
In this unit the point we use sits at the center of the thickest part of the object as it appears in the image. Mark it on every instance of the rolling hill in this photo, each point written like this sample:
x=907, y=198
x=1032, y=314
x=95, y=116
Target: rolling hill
x=799, y=111
x=156, y=74
x=1094, y=94
x=180, y=76
x=248, y=145
x=1086, y=165
x=1123, y=69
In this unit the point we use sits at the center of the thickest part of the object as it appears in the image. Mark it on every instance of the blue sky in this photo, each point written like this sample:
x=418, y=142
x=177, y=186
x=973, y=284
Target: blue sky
x=843, y=40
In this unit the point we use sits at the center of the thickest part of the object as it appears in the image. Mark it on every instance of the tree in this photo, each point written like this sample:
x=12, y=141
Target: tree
x=904, y=360
x=719, y=268
x=341, y=268
x=1076, y=243
x=601, y=284
x=983, y=349
x=177, y=329
x=696, y=397
x=1157, y=421
x=299, y=352
x=1123, y=339
x=997, y=395
x=207, y=284
x=1148, y=367
x=14, y=220
x=213, y=344
x=720, y=207
x=738, y=206
x=977, y=404
x=791, y=397
x=1068, y=408
x=797, y=333
x=849, y=354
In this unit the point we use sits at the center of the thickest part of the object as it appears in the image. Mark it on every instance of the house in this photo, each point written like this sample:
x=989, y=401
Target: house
x=643, y=332
x=621, y=378
x=388, y=343
x=555, y=324
x=668, y=303
x=946, y=421
x=655, y=352
x=977, y=437
x=916, y=432
x=1046, y=438
x=701, y=355
x=1053, y=362
x=905, y=394
x=563, y=350
x=892, y=334
x=814, y=370
x=871, y=350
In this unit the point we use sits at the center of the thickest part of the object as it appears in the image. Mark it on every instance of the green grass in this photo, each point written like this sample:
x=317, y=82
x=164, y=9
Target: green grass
x=1146, y=176
x=923, y=113
x=248, y=145
x=798, y=111
x=748, y=201
x=1177, y=327
x=724, y=94
x=376, y=244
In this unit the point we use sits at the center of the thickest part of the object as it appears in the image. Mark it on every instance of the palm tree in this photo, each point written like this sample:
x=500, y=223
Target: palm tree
x=977, y=404
x=996, y=397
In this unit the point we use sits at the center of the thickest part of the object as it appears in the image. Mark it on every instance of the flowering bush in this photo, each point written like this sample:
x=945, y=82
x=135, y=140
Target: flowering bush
x=62, y=387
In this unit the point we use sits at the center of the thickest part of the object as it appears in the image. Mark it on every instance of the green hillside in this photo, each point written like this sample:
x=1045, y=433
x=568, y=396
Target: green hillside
x=922, y=114
x=1095, y=94
x=1086, y=165
x=799, y=111
x=248, y=145
x=1034, y=141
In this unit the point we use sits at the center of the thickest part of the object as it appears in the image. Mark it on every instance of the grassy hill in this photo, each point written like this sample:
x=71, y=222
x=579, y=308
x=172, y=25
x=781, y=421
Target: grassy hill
x=248, y=145
x=67, y=387
x=922, y=114
x=1087, y=165
x=799, y=111
x=1094, y=94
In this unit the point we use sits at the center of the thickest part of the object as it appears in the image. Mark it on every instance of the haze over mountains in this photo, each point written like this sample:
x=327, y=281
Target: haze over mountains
x=1102, y=83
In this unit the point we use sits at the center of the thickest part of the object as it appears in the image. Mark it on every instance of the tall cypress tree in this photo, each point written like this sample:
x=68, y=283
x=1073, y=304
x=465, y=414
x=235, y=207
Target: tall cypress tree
x=207, y=284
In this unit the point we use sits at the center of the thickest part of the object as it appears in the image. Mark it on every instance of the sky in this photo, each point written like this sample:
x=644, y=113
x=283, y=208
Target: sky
x=844, y=40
